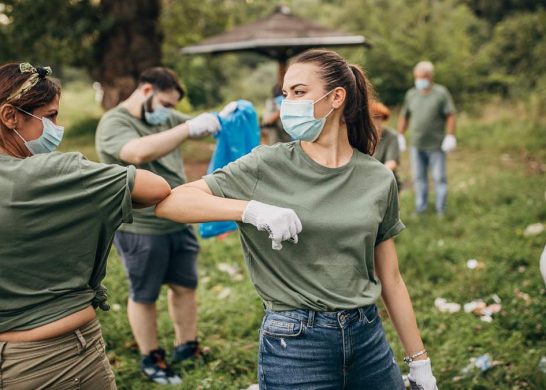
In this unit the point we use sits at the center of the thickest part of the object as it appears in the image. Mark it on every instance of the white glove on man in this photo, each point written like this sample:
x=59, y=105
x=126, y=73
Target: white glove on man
x=401, y=142
x=449, y=143
x=420, y=375
x=282, y=224
x=228, y=109
x=203, y=124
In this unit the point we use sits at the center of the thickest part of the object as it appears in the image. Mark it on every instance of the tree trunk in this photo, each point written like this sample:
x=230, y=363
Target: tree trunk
x=129, y=43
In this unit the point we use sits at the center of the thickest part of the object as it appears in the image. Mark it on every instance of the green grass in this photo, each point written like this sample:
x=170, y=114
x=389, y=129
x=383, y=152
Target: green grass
x=497, y=187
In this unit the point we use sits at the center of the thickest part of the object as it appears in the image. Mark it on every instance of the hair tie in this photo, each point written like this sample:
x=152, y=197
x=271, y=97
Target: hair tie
x=37, y=74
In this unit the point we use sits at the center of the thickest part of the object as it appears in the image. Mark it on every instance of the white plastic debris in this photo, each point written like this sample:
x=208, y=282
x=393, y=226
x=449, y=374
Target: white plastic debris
x=472, y=264
x=116, y=307
x=543, y=264
x=231, y=270
x=446, y=307
x=533, y=229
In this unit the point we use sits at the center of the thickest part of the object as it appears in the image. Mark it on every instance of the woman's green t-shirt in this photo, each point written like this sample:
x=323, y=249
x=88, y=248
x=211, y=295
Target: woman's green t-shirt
x=345, y=213
x=58, y=214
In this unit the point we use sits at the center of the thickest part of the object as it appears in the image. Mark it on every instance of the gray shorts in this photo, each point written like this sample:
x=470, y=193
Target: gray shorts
x=153, y=260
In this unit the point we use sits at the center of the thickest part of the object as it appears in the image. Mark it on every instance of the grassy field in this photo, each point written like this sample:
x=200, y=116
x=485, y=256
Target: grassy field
x=497, y=188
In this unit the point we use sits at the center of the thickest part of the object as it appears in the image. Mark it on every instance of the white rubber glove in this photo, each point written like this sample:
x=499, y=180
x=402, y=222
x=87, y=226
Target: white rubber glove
x=401, y=142
x=203, y=124
x=421, y=375
x=282, y=224
x=449, y=144
x=228, y=109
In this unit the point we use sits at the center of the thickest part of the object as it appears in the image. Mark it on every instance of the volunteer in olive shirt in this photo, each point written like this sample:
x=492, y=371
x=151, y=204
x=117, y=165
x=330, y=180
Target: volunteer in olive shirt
x=428, y=113
x=145, y=130
x=387, y=150
x=317, y=219
x=59, y=214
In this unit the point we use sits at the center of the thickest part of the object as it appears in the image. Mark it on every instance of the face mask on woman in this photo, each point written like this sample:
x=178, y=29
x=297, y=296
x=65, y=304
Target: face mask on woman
x=158, y=116
x=50, y=139
x=298, y=119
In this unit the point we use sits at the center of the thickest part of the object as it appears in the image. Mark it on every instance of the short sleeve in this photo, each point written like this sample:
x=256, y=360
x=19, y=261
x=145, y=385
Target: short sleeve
x=178, y=118
x=110, y=187
x=238, y=179
x=404, y=111
x=448, y=105
x=391, y=225
x=392, y=152
x=113, y=133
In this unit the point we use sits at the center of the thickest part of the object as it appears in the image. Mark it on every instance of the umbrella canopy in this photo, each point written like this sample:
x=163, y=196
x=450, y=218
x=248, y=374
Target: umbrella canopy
x=279, y=36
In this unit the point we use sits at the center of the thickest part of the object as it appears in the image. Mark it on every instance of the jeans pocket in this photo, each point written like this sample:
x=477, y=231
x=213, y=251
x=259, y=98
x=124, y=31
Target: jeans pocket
x=370, y=315
x=279, y=326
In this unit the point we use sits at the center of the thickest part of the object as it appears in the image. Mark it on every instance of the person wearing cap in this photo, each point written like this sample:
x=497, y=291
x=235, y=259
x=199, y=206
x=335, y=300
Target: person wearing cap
x=428, y=113
x=387, y=150
x=59, y=214
x=146, y=130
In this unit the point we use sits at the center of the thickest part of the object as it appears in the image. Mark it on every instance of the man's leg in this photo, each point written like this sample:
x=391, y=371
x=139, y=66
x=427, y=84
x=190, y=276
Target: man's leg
x=145, y=258
x=419, y=165
x=439, y=174
x=183, y=311
x=182, y=279
x=143, y=321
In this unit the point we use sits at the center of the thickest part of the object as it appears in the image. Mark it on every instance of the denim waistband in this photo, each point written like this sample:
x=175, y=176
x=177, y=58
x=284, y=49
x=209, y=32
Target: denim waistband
x=330, y=318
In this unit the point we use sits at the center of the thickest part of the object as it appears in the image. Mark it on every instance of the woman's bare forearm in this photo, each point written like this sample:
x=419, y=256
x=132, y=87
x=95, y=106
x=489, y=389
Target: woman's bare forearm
x=397, y=300
x=193, y=202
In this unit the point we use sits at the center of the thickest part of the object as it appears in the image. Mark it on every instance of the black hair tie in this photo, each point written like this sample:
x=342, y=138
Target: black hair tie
x=42, y=72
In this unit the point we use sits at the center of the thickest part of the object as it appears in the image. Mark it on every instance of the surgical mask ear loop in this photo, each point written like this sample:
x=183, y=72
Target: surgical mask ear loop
x=318, y=100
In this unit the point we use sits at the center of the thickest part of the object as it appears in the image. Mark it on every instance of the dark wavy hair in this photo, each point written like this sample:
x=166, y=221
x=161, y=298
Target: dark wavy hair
x=335, y=71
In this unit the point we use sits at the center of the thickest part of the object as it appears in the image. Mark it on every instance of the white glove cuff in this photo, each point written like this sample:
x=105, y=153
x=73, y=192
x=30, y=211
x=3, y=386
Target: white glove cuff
x=249, y=215
x=420, y=367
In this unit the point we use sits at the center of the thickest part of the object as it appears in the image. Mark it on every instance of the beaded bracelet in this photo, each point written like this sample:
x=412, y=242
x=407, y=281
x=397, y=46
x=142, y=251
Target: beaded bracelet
x=409, y=359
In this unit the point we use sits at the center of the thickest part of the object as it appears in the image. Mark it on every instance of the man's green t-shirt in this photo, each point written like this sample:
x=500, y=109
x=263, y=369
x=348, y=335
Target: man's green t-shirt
x=388, y=150
x=116, y=128
x=427, y=116
x=345, y=213
x=59, y=213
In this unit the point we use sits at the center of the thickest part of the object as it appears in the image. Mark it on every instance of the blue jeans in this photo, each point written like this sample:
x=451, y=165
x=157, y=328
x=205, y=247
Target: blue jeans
x=304, y=349
x=421, y=160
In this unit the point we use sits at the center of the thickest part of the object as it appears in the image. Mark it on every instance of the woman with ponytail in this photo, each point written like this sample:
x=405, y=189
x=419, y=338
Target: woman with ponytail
x=338, y=209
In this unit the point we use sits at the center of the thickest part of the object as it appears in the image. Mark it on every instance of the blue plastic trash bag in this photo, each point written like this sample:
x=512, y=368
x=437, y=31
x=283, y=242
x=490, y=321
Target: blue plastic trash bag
x=240, y=133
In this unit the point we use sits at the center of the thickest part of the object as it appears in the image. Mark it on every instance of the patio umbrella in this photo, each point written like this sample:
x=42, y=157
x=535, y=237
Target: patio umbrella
x=279, y=36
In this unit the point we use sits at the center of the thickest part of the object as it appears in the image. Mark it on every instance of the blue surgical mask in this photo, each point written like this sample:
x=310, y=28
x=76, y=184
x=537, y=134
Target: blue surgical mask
x=50, y=139
x=422, y=84
x=298, y=119
x=158, y=116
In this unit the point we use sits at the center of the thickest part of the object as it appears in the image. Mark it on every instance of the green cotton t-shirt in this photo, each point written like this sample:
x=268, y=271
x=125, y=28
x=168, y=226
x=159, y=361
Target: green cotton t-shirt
x=388, y=150
x=116, y=128
x=345, y=213
x=427, y=116
x=59, y=213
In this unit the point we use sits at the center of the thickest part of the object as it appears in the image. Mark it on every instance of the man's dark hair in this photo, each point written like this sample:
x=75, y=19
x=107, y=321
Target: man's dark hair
x=161, y=78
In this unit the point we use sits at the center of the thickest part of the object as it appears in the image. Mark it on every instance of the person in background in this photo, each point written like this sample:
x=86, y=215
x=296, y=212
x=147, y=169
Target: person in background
x=318, y=238
x=59, y=213
x=428, y=113
x=387, y=150
x=271, y=122
x=146, y=130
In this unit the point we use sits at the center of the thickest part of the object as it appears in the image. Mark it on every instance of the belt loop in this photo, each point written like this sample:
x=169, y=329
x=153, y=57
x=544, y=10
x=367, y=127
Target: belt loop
x=311, y=319
x=83, y=344
x=361, y=315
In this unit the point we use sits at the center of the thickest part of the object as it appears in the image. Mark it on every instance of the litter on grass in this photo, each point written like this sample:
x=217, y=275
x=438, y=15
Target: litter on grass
x=533, y=229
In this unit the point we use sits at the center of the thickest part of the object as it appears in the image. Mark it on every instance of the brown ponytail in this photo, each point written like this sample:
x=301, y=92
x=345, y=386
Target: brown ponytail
x=336, y=72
